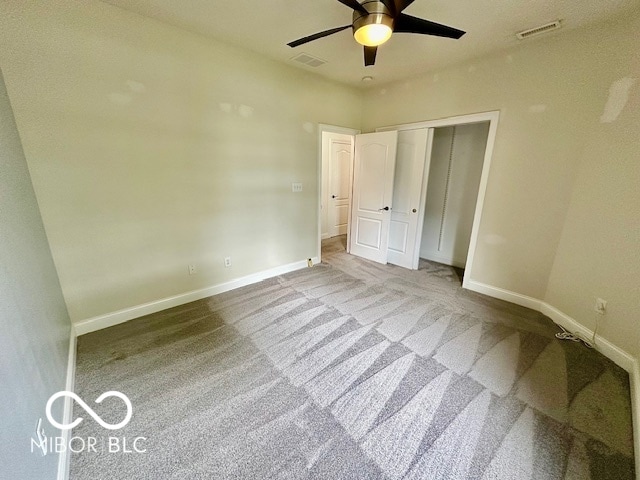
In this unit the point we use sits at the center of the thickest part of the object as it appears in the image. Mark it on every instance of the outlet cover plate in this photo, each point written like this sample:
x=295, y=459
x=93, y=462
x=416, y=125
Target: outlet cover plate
x=601, y=306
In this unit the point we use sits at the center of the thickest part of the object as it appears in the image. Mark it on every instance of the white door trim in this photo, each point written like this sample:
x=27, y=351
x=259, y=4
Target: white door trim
x=493, y=118
x=332, y=129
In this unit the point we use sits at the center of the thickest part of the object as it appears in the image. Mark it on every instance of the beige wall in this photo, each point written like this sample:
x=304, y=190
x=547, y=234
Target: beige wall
x=152, y=148
x=599, y=250
x=551, y=94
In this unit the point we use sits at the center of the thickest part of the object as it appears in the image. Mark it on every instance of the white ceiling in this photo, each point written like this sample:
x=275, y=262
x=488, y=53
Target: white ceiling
x=265, y=26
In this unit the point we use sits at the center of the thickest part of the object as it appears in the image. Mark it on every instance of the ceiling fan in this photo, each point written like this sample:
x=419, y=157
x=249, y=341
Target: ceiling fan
x=375, y=20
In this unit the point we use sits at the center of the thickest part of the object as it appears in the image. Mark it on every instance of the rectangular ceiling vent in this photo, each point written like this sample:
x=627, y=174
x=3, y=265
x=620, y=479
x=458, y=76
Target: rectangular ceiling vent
x=532, y=32
x=309, y=60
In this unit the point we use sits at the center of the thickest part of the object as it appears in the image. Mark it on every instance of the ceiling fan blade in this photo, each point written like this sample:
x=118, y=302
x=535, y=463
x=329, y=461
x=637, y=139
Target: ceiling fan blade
x=370, y=56
x=390, y=4
x=316, y=36
x=408, y=24
x=354, y=5
x=400, y=5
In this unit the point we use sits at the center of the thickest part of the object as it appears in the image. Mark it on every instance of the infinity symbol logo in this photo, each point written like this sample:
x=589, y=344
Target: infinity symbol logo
x=89, y=410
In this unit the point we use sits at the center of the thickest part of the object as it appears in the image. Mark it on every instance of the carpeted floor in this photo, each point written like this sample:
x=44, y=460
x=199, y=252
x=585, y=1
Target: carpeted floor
x=353, y=370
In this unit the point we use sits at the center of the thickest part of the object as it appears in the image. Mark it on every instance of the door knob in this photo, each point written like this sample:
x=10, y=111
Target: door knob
x=333, y=196
x=414, y=210
x=385, y=209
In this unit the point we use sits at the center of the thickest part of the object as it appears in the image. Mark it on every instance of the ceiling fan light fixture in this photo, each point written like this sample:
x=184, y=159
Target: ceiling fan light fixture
x=374, y=21
x=373, y=34
x=374, y=28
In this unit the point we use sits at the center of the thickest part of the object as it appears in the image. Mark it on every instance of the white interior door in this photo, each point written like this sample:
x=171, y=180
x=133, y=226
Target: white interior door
x=407, y=205
x=339, y=190
x=375, y=158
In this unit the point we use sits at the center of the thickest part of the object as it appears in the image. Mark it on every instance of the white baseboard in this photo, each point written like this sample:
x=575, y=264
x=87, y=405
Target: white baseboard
x=619, y=356
x=65, y=457
x=324, y=236
x=502, y=294
x=114, y=318
x=611, y=351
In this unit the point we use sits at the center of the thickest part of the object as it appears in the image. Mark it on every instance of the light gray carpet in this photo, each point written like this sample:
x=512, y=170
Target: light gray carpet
x=354, y=370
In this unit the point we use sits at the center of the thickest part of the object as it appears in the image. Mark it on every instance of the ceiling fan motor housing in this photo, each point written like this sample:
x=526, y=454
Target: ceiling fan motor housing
x=378, y=14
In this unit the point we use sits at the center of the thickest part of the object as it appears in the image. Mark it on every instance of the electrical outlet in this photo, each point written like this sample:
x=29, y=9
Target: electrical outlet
x=227, y=261
x=296, y=187
x=192, y=270
x=601, y=306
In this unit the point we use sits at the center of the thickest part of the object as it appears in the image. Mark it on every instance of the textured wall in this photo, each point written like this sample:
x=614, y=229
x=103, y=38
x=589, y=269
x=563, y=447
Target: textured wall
x=34, y=324
x=152, y=148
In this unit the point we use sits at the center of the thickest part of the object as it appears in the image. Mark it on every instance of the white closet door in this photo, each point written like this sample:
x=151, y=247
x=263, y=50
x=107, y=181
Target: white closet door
x=407, y=211
x=375, y=158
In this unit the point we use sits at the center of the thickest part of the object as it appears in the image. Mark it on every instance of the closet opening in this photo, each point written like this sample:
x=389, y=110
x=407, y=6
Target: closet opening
x=451, y=181
x=440, y=179
x=415, y=192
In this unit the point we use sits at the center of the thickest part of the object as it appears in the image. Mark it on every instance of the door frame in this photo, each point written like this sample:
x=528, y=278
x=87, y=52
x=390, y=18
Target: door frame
x=345, y=131
x=493, y=117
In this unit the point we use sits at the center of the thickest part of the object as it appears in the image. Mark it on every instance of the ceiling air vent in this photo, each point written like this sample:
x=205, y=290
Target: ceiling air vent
x=532, y=32
x=309, y=60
